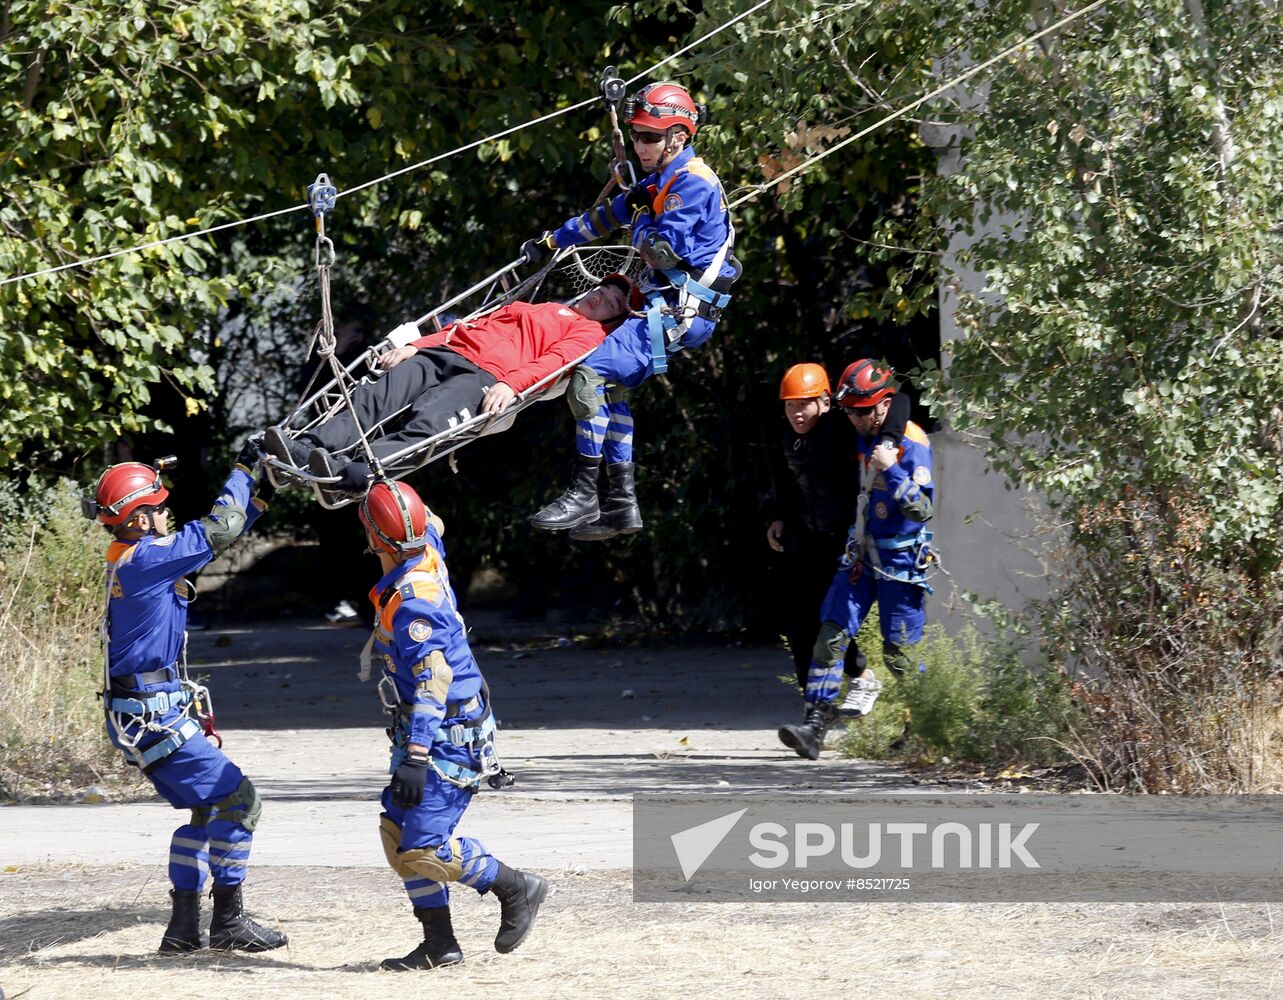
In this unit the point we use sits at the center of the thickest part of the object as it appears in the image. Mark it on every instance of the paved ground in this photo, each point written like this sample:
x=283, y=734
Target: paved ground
x=582, y=729
x=82, y=886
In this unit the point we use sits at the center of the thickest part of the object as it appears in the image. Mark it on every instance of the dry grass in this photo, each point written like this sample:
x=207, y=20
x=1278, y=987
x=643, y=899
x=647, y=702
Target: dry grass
x=50, y=654
x=82, y=933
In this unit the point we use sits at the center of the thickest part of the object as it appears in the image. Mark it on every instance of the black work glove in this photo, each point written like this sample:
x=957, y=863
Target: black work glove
x=249, y=455
x=638, y=199
x=408, y=781
x=263, y=488
x=537, y=250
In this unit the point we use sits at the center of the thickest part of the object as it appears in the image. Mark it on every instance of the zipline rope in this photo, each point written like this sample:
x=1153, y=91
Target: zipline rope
x=979, y=68
x=378, y=180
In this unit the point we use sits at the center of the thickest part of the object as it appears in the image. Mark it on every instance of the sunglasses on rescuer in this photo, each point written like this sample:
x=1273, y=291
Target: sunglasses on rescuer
x=647, y=138
x=846, y=392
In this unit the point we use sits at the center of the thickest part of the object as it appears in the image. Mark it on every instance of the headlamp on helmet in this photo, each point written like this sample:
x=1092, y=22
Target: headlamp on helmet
x=863, y=385
x=660, y=106
x=123, y=489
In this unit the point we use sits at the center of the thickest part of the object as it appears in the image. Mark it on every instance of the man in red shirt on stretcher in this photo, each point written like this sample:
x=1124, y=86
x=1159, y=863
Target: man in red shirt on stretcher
x=437, y=382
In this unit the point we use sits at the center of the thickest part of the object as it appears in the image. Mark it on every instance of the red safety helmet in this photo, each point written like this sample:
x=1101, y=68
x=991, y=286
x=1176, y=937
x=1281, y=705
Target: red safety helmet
x=863, y=384
x=660, y=106
x=636, y=301
x=804, y=381
x=121, y=490
x=395, y=517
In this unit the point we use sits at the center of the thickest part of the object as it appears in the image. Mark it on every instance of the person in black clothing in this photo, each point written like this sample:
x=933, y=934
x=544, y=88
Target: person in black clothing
x=813, y=502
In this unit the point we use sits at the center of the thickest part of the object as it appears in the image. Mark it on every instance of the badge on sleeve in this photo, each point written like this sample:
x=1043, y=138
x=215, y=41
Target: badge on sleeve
x=922, y=475
x=880, y=510
x=420, y=630
x=672, y=203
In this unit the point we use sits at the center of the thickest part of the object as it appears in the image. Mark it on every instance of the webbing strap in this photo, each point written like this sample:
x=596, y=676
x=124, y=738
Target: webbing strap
x=456, y=774
x=161, y=701
x=447, y=770
x=158, y=751
x=461, y=736
x=658, y=323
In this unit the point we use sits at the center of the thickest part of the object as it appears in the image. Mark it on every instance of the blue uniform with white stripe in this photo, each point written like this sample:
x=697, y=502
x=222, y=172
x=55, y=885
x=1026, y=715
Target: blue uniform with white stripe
x=689, y=211
x=146, y=632
x=888, y=565
x=421, y=639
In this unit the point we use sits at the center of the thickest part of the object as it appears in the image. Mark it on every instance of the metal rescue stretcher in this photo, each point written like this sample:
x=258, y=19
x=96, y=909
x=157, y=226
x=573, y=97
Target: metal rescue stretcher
x=566, y=276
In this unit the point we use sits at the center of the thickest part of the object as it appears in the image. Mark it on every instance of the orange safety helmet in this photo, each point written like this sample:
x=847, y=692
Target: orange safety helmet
x=660, y=106
x=633, y=294
x=395, y=517
x=863, y=384
x=121, y=490
x=804, y=381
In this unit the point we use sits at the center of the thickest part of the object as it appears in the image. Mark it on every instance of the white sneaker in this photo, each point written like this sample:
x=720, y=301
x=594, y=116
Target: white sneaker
x=343, y=614
x=861, y=695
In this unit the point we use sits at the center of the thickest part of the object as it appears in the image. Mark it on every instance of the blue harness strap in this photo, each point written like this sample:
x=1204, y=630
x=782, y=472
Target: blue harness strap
x=460, y=735
x=158, y=751
x=162, y=701
x=659, y=322
x=917, y=575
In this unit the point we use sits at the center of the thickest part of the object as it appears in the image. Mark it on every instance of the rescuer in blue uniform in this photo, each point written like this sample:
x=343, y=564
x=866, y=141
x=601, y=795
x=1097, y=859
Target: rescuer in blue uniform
x=681, y=224
x=887, y=558
x=442, y=733
x=153, y=709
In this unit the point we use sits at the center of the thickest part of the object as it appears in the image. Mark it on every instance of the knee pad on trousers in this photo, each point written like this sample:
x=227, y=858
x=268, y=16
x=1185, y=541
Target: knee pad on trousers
x=899, y=659
x=830, y=643
x=616, y=394
x=582, y=396
x=201, y=816
x=243, y=806
x=390, y=835
x=420, y=862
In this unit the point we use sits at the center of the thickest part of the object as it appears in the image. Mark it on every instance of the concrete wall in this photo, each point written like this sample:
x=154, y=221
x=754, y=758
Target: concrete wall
x=987, y=532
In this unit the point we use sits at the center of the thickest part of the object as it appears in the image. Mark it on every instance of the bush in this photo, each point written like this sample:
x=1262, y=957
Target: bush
x=1177, y=646
x=973, y=699
x=50, y=654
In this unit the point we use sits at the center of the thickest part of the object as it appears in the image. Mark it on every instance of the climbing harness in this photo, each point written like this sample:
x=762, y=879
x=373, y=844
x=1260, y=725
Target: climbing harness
x=706, y=296
x=863, y=549
x=135, y=714
x=477, y=735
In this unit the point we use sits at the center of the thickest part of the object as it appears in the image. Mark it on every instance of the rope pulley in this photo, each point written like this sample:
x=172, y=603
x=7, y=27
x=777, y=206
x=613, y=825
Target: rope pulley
x=612, y=89
x=321, y=196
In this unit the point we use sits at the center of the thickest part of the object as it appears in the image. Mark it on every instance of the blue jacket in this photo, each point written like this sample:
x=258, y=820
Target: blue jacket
x=147, y=606
x=688, y=209
x=901, y=501
x=422, y=639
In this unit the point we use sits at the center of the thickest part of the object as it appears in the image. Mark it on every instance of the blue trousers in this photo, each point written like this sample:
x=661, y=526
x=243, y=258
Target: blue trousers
x=431, y=824
x=901, y=615
x=625, y=359
x=199, y=776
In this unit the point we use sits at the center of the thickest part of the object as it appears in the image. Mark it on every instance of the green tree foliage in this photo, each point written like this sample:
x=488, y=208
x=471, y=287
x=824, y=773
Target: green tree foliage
x=182, y=115
x=1123, y=355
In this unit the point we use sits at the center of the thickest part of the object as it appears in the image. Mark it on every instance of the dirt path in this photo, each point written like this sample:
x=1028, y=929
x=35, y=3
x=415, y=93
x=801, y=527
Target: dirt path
x=82, y=888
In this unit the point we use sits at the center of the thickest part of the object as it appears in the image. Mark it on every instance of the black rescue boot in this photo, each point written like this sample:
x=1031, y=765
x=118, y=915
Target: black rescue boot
x=520, y=895
x=807, y=740
x=183, y=933
x=620, y=514
x=287, y=449
x=231, y=929
x=578, y=504
x=439, y=946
